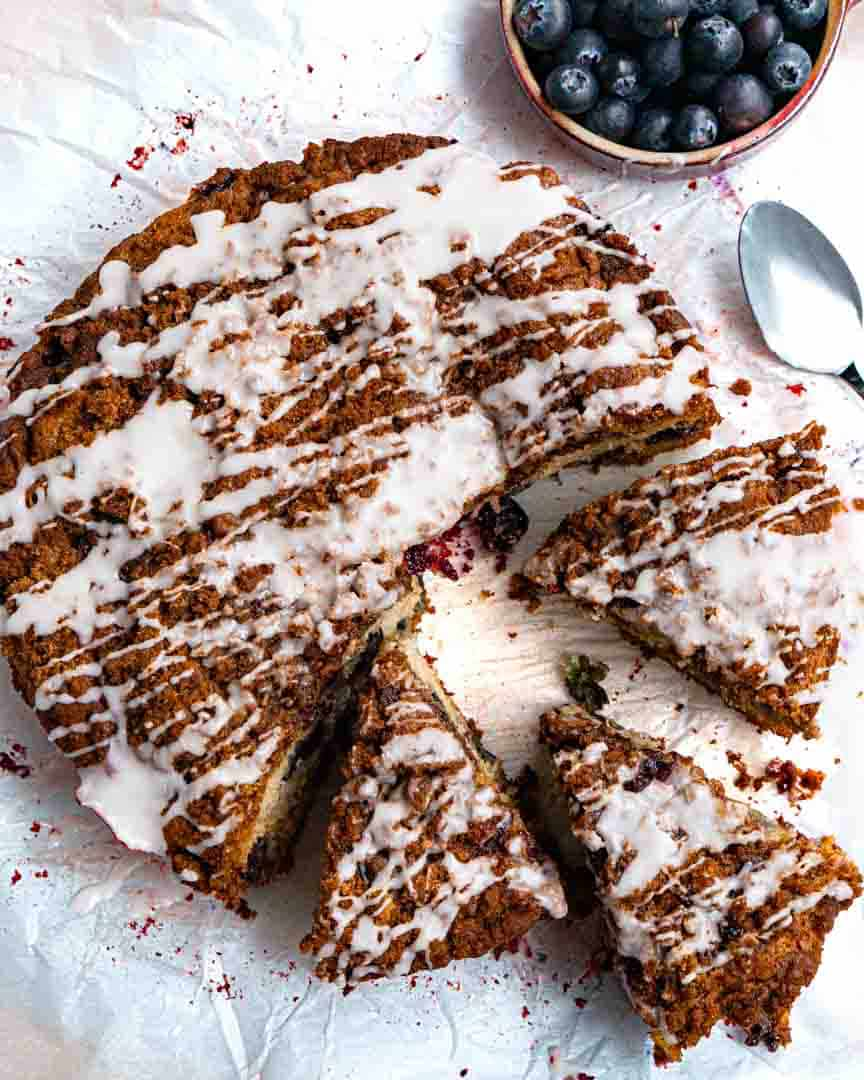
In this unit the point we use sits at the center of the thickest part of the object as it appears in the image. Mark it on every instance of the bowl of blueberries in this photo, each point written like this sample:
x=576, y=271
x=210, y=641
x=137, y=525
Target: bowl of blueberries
x=671, y=86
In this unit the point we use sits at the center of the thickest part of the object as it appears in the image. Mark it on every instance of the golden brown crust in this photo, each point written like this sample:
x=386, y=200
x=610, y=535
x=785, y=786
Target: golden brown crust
x=662, y=525
x=763, y=956
x=416, y=787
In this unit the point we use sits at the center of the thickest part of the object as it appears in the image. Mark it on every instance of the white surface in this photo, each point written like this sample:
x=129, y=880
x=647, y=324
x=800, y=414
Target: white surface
x=85, y=994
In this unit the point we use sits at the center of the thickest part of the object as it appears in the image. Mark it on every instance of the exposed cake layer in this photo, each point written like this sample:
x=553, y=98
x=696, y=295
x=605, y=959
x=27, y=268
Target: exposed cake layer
x=427, y=858
x=713, y=912
x=744, y=569
x=213, y=459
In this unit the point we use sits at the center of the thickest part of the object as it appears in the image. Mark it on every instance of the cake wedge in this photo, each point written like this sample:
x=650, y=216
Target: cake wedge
x=745, y=569
x=427, y=858
x=712, y=911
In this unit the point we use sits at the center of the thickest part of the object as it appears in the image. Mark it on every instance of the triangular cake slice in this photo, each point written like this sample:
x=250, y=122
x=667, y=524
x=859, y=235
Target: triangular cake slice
x=427, y=858
x=712, y=911
x=743, y=569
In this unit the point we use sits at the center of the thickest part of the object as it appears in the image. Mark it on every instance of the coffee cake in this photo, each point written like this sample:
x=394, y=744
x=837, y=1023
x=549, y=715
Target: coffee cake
x=712, y=911
x=744, y=569
x=214, y=457
x=427, y=859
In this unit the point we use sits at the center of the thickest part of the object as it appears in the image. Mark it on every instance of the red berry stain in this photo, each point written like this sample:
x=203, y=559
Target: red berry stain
x=6, y=343
x=185, y=120
x=797, y=389
x=41, y=874
x=438, y=555
x=36, y=827
x=309, y=69
x=181, y=147
x=16, y=877
x=580, y=1003
x=19, y=262
x=463, y=1072
x=226, y=988
x=10, y=765
x=692, y=185
x=142, y=929
x=139, y=157
x=116, y=180
x=658, y=228
x=419, y=56
x=525, y=1012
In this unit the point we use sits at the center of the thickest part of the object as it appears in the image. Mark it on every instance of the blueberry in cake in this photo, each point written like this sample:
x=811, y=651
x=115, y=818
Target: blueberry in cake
x=743, y=569
x=215, y=456
x=712, y=911
x=427, y=858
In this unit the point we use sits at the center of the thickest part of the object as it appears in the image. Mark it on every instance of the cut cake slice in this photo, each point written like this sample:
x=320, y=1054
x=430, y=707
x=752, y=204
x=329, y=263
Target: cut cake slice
x=712, y=911
x=743, y=569
x=427, y=858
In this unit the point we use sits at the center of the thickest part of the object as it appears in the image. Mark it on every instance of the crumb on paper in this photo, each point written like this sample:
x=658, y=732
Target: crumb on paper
x=742, y=387
x=525, y=591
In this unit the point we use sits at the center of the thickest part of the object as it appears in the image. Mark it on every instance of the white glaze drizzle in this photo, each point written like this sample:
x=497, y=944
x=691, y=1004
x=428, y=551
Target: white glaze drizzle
x=450, y=449
x=746, y=593
x=423, y=791
x=666, y=830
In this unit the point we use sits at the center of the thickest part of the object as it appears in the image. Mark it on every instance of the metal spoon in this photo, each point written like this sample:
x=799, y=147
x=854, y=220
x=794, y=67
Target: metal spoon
x=802, y=293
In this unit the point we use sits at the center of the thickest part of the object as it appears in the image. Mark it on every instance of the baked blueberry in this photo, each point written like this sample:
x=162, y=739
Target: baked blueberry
x=739, y=11
x=611, y=117
x=572, y=89
x=619, y=75
x=787, y=67
x=583, y=11
x=762, y=32
x=542, y=24
x=696, y=127
x=659, y=18
x=699, y=85
x=653, y=130
x=700, y=9
x=615, y=20
x=584, y=47
x=802, y=14
x=742, y=102
x=502, y=523
x=662, y=62
x=714, y=44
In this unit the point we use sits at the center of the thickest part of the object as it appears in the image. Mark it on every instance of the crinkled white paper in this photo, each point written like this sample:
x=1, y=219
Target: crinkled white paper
x=110, y=969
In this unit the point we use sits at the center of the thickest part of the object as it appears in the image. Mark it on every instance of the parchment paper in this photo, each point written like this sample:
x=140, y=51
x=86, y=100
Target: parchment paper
x=109, y=968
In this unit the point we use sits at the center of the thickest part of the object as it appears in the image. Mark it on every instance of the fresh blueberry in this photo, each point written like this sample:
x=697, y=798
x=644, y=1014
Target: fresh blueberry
x=787, y=67
x=696, y=127
x=802, y=14
x=714, y=44
x=611, y=117
x=701, y=9
x=739, y=11
x=762, y=32
x=615, y=20
x=742, y=102
x=662, y=62
x=572, y=89
x=583, y=11
x=659, y=18
x=584, y=47
x=619, y=75
x=699, y=85
x=542, y=24
x=653, y=130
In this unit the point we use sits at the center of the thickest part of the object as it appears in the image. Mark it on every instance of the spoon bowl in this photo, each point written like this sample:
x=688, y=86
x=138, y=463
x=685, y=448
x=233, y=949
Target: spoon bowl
x=803, y=295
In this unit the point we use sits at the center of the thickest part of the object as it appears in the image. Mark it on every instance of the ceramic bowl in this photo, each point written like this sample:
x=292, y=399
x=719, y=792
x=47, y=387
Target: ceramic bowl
x=697, y=162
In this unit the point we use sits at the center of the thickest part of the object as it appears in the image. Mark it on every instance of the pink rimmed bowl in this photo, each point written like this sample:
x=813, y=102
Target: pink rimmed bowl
x=608, y=154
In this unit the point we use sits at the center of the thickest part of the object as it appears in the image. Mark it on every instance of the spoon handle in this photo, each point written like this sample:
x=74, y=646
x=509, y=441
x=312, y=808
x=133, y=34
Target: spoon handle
x=853, y=377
